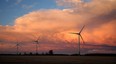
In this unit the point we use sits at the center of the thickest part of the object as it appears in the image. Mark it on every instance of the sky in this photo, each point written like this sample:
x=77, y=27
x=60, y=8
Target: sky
x=9, y=8
x=52, y=21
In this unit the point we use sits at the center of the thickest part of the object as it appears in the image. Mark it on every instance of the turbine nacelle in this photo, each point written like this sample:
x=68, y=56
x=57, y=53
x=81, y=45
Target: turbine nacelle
x=17, y=44
x=36, y=41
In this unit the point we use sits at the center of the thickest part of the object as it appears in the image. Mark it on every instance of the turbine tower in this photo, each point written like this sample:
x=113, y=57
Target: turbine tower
x=79, y=37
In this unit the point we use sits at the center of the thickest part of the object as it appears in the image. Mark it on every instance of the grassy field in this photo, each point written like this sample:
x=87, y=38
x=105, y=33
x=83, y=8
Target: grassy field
x=57, y=60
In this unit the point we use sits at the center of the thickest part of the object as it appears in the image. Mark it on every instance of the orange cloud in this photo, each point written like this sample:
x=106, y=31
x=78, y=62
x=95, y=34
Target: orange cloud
x=54, y=25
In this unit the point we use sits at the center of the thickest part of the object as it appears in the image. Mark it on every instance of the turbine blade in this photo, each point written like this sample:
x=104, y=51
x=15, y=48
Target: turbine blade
x=33, y=36
x=74, y=33
x=38, y=38
x=67, y=41
x=82, y=39
x=82, y=29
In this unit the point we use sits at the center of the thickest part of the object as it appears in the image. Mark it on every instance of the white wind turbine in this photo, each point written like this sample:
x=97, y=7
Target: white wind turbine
x=17, y=47
x=79, y=36
x=36, y=43
x=36, y=46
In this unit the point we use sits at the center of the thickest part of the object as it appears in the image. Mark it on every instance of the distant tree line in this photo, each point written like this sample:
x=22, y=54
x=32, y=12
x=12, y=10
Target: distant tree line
x=50, y=52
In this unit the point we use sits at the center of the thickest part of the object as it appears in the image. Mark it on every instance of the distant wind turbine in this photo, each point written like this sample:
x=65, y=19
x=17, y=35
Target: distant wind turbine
x=36, y=46
x=17, y=47
x=79, y=36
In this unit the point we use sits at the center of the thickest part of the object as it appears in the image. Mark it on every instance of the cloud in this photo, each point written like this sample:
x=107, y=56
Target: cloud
x=93, y=6
x=37, y=19
x=28, y=6
x=99, y=48
x=18, y=1
x=54, y=26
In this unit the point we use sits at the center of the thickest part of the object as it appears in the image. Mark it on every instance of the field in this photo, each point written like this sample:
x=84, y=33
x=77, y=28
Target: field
x=57, y=60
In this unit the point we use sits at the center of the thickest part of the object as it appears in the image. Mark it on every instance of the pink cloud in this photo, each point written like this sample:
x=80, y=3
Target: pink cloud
x=54, y=25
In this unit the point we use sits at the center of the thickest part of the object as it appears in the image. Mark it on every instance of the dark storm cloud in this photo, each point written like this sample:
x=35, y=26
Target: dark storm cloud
x=94, y=48
x=99, y=20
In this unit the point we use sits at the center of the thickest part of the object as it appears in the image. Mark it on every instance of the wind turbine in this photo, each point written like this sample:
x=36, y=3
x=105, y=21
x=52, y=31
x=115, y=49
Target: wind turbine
x=79, y=37
x=17, y=47
x=36, y=46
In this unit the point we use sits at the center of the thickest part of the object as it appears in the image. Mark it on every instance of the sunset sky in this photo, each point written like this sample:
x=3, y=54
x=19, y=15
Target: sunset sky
x=23, y=21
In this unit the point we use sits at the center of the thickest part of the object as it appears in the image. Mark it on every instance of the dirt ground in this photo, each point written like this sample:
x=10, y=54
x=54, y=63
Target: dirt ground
x=57, y=60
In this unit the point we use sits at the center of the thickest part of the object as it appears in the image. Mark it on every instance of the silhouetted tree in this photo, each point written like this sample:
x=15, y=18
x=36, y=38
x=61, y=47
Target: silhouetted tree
x=36, y=53
x=25, y=53
x=30, y=53
x=51, y=52
x=46, y=53
x=42, y=53
x=19, y=53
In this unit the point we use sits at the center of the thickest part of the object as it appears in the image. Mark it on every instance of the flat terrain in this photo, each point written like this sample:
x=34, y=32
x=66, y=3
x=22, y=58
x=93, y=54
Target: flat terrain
x=57, y=60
